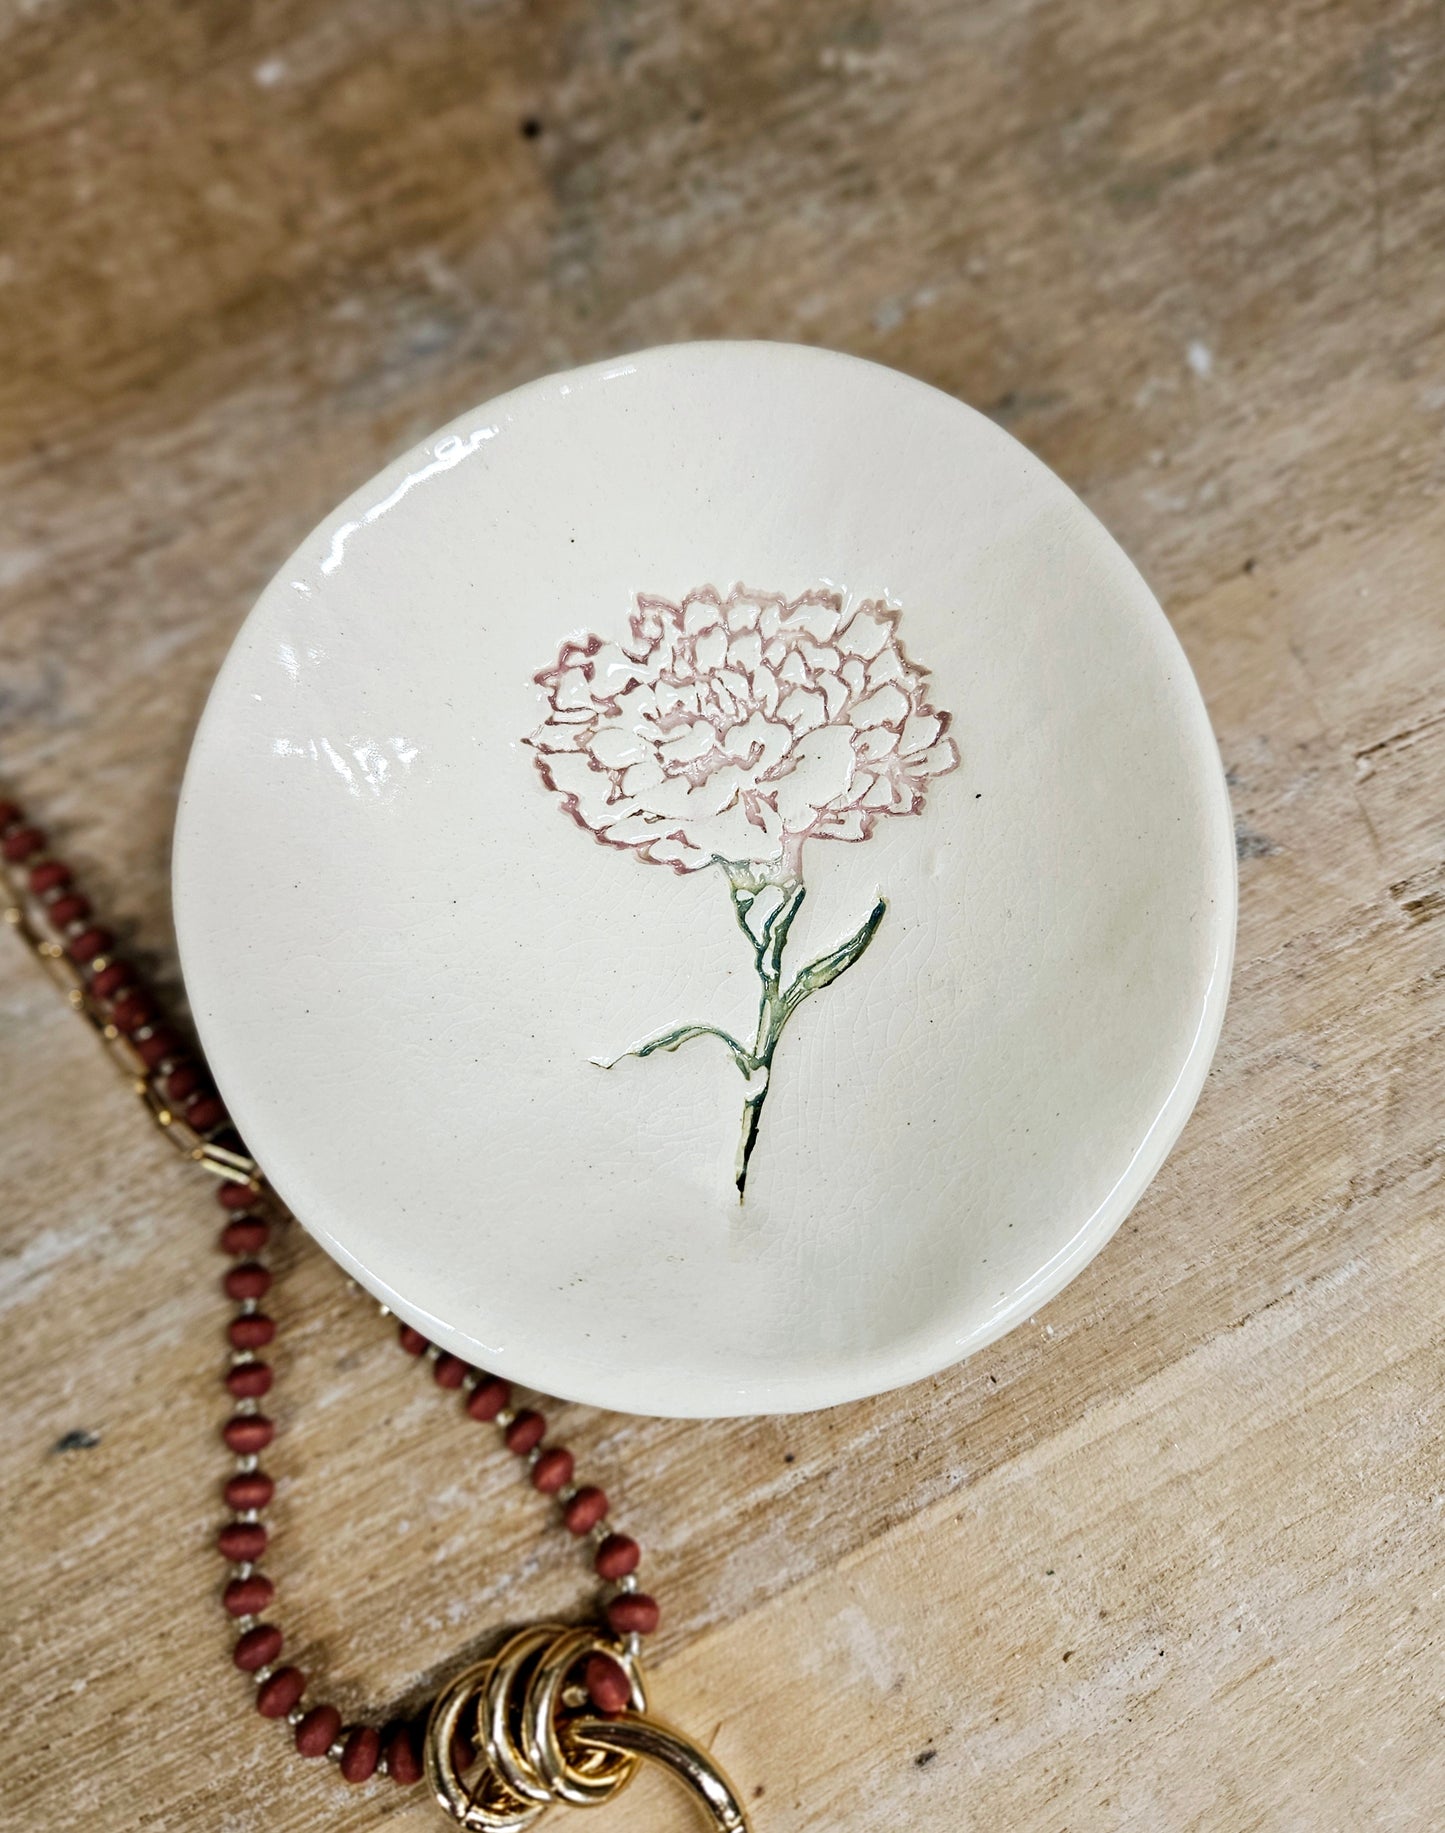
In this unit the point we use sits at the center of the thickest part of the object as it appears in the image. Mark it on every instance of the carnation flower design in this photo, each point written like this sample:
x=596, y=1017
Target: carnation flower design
x=723, y=734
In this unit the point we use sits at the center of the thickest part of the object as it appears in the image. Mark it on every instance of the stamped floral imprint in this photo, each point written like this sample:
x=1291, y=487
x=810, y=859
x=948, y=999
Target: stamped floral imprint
x=725, y=732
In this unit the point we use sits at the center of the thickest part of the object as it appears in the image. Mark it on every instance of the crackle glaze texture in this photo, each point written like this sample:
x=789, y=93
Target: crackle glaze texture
x=953, y=1129
x=1166, y=1555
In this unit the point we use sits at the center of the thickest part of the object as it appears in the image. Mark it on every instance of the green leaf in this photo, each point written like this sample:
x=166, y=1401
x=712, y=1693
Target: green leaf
x=826, y=969
x=675, y=1039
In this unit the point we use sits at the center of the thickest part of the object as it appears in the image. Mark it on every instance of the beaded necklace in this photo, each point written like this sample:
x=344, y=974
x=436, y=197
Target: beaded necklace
x=554, y=1715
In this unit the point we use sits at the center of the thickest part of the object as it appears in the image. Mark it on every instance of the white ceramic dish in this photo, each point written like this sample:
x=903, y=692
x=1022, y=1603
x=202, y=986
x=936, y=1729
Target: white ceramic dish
x=503, y=779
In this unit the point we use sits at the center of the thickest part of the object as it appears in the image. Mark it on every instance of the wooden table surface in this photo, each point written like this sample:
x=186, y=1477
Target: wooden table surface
x=1169, y=1555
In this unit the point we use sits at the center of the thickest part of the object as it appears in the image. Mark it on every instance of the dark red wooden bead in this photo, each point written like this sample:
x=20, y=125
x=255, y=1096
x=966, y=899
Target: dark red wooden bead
x=488, y=1398
x=158, y=1048
x=607, y=1684
x=90, y=943
x=585, y=1510
x=248, y=1433
x=450, y=1371
x=281, y=1693
x=133, y=1012
x=246, y=1235
x=235, y=1196
x=318, y=1731
x=401, y=1747
x=49, y=875
x=249, y=1380
x=464, y=1752
x=553, y=1470
x=112, y=979
x=361, y=1754
x=9, y=814
x=205, y=1113
x=68, y=909
x=248, y=1489
x=182, y=1082
x=617, y=1556
x=239, y=1541
x=257, y=1647
x=22, y=843
x=633, y=1613
x=253, y=1332
x=249, y=1280
x=526, y=1432
x=412, y=1341
x=248, y=1597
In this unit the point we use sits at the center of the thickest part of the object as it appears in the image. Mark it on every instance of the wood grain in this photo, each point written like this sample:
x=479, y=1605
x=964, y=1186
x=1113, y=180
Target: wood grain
x=1165, y=1557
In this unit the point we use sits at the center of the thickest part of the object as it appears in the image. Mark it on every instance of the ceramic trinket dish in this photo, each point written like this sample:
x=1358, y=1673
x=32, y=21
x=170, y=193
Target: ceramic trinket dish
x=709, y=884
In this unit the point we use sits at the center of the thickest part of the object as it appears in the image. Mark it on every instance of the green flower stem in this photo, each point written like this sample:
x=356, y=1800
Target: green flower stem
x=774, y=1009
x=766, y=924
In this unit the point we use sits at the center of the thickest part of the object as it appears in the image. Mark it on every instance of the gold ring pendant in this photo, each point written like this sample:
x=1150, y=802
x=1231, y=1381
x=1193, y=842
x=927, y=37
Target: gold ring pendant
x=539, y=1743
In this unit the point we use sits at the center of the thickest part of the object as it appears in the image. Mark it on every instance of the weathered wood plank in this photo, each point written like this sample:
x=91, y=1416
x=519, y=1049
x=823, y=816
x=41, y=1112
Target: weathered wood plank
x=1192, y=257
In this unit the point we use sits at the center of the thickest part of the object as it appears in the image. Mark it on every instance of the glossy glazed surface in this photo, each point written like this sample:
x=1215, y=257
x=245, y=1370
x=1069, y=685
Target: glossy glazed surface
x=408, y=964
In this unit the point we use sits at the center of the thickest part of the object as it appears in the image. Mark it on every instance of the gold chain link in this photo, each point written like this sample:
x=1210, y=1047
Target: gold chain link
x=538, y=1742
x=220, y=1161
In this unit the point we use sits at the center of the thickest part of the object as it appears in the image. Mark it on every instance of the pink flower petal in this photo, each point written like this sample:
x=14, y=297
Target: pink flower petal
x=868, y=630
x=885, y=707
x=557, y=736
x=814, y=612
x=819, y=656
x=765, y=691
x=668, y=850
x=701, y=611
x=745, y=650
x=590, y=794
x=744, y=610
x=834, y=692
x=935, y=760
x=641, y=779
x=688, y=744
x=572, y=689
x=803, y=711
x=823, y=766
x=887, y=665
x=919, y=731
x=710, y=650
x=758, y=742
x=875, y=743
x=614, y=746
x=632, y=829
x=613, y=671
x=850, y=824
